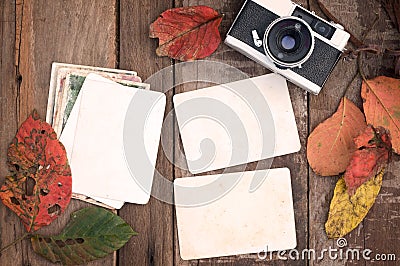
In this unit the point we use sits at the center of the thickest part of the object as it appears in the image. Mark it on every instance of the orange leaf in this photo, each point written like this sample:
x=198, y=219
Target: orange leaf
x=381, y=97
x=331, y=144
x=371, y=157
x=40, y=185
x=187, y=33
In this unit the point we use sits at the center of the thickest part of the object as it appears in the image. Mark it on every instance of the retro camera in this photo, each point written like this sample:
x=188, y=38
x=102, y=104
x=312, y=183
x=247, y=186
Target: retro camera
x=288, y=40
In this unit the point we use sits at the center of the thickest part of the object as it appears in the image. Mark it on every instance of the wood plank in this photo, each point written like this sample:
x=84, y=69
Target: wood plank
x=153, y=221
x=321, y=107
x=296, y=162
x=380, y=227
x=377, y=232
x=9, y=226
x=80, y=32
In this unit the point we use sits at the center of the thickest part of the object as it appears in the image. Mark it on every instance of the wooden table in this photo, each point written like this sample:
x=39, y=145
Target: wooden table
x=114, y=33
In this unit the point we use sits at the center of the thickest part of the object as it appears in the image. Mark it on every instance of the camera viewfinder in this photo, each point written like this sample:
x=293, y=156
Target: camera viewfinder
x=317, y=25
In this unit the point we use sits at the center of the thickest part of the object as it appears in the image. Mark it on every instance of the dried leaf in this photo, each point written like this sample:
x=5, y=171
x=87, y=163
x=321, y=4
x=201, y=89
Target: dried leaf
x=372, y=156
x=92, y=233
x=347, y=212
x=331, y=144
x=187, y=33
x=40, y=185
x=381, y=97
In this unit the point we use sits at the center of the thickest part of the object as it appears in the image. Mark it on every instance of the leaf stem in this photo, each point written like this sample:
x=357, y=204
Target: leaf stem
x=350, y=83
x=26, y=235
x=360, y=70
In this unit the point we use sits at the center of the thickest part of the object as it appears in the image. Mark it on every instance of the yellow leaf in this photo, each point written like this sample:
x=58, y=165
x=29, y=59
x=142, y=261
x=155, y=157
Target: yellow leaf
x=345, y=212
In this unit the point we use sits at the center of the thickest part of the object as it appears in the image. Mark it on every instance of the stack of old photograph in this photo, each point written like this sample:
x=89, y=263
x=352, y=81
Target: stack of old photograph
x=87, y=108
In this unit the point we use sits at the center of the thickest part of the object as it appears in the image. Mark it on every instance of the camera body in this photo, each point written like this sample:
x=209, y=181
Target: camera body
x=289, y=40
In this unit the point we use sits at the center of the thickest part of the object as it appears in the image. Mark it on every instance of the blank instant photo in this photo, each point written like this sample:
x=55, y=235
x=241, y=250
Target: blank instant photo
x=218, y=215
x=106, y=134
x=236, y=123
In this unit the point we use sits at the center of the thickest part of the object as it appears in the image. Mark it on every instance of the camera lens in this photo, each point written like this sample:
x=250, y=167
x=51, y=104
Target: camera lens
x=288, y=41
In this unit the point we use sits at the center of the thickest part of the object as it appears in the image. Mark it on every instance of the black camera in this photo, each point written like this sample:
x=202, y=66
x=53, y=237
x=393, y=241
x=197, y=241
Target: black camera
x=288, y=40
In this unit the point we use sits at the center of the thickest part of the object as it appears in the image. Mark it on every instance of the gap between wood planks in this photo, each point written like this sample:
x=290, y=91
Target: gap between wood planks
x=19, y=13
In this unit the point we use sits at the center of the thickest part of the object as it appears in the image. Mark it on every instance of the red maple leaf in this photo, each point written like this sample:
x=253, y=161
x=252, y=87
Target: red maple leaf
x=374, y=149
x=187, y=33
x=40, y=185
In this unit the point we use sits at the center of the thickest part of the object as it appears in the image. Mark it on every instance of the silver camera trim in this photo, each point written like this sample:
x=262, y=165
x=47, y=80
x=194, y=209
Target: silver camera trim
x=263, y=60
x=283, y=64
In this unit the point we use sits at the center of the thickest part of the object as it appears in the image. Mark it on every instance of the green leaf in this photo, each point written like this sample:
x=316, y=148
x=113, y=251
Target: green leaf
x=92, y=233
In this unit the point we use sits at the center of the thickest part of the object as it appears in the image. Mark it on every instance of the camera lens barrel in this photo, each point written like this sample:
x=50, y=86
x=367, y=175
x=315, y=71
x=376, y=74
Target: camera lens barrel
x=288, y=41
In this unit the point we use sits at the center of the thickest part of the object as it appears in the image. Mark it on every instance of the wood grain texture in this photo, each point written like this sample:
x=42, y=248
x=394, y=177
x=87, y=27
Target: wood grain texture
x=153, y=221
x=79, y=32
x=378, y=230
x=114, y=33
x=10, y=227
x=381, y=227
x=321, y=188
